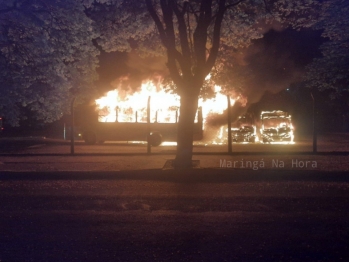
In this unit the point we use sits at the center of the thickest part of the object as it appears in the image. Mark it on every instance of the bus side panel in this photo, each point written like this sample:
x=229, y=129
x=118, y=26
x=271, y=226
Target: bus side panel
x=114, y=131
x=125, y=131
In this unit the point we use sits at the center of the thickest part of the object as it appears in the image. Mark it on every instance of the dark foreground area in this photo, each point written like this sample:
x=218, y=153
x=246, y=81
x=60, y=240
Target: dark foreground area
x=155, y=215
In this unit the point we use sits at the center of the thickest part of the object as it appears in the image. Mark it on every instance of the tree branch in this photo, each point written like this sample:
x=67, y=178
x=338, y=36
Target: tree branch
x=200, y=34
x=266, y=6
x=167, y=38
x=189, y=33
x=167, y=10
x=182, y=28
x=234, y=4
x=157, y=21
x=216, y=37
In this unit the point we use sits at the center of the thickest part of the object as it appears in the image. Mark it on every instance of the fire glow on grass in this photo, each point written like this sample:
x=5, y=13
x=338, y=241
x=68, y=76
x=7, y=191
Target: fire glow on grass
x=163, y=105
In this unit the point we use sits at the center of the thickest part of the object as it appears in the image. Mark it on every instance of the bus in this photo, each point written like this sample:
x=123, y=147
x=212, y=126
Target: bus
x=153, y=131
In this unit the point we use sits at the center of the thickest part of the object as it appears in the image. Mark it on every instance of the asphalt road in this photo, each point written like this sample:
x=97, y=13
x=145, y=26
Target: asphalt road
x=156, y=215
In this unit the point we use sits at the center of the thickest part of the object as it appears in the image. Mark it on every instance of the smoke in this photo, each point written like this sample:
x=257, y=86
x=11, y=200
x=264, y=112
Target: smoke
x=270, y=64
x=273, y=63
x=265, y=27
x=217, y=120
x=140, y=69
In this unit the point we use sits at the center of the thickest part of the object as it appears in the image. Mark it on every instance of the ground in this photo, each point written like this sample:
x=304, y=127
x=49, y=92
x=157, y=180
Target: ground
x=104, y=204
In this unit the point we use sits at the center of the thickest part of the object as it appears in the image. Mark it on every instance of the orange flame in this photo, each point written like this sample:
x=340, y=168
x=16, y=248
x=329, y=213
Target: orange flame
x=163, y=104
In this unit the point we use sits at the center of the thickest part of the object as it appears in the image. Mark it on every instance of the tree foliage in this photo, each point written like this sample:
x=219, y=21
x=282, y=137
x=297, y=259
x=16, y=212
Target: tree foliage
x=196, y=31
x=46, y=51
x=331, y=71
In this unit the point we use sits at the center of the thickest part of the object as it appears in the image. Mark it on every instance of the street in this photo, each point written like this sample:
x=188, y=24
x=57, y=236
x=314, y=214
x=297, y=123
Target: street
x=157, y=215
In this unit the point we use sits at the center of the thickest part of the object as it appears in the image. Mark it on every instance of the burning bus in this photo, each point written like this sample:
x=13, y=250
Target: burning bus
x=276, y=126
x=141, y=129
x=125, y=116
x=244, y=130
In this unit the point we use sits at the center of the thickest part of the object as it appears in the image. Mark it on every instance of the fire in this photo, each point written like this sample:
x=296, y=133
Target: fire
x=133, y=108
x=274, y=127
x=215, y=105
x=163, y=105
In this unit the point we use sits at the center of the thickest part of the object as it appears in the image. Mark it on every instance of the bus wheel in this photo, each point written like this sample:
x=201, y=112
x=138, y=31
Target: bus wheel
x=155, y=139
x=90, y=137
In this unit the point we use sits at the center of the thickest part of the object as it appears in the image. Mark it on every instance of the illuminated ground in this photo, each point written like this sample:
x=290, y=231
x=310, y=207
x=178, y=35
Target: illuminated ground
x=337, y=142
x=38, y=154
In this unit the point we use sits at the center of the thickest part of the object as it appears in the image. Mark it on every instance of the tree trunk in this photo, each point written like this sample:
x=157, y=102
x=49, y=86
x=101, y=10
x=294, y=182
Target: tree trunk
x=189, y=105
